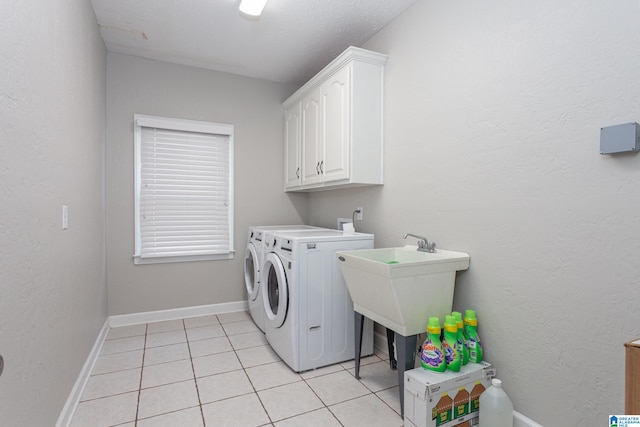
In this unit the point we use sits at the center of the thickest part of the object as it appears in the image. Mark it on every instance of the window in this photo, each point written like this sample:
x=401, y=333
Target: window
x=183, y=190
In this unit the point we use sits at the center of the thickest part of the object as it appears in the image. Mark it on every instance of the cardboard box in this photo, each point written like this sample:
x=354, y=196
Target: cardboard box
x=632, y=378
x=445, y=399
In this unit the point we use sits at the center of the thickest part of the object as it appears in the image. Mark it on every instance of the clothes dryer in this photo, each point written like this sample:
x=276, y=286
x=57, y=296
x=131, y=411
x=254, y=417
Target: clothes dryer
x=253, y=260
x=309, y=314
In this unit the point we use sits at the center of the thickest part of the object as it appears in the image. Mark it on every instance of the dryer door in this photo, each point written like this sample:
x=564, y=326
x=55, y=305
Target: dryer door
x=251, y=272
x=275, y=290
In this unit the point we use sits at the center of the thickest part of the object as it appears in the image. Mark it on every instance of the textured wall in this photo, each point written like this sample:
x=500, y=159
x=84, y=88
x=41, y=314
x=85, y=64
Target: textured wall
x=52, y=127
x=253, y=106
x=492, y=123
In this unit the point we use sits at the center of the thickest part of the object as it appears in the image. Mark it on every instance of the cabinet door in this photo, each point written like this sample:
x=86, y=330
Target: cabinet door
x=311, y=138
x=292, y=146
x=336, y=99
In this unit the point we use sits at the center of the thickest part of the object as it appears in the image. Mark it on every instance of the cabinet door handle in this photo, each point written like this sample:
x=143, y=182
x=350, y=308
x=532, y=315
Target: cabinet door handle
x=298, y=173
x=318, y=168
x=322, y=166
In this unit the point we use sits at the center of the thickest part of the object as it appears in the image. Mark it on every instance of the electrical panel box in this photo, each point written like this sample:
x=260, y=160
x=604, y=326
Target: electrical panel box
x=620, y=138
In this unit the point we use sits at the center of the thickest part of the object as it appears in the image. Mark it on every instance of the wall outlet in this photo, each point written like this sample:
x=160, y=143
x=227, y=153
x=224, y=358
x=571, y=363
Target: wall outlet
x=359, y=214
x=65, y=217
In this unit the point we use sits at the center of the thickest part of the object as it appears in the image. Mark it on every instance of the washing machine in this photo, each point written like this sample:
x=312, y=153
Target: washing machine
x=253, y=260
x=309, y=317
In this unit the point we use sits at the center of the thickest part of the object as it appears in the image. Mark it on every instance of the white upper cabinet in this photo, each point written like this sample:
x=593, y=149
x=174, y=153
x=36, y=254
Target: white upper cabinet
x=339, y=125
x=310, y=143
x=334, y=160
x=292, y=135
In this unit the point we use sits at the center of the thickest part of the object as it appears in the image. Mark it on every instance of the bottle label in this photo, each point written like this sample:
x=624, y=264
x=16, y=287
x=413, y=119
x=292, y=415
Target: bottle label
x=452, y=355
x=442, y=412
x=475, y=350
x=432, y=355
x=461, y=403
x=462, y=348
x=475, y=397
x=449, y=352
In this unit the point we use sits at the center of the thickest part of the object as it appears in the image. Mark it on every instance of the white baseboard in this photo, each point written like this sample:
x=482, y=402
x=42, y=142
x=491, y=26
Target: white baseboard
x=133, y=319
x=176, y=313
x=520, y=420
x=380, y=343
x=76, y=392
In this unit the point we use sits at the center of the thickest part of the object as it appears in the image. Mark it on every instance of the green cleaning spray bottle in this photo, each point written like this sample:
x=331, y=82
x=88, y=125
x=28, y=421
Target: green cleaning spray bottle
x=463, y=340
x=452, y=352
x=471, y=326
x=432, y=357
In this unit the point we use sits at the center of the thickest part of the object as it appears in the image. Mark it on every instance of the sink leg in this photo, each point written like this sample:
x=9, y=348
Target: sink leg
x=406, y=349
x=359, y=325
x=392, y=359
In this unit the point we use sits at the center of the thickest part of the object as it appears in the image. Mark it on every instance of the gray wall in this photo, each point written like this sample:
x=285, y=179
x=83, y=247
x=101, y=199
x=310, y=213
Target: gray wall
x=492, y=121
x=137, y=85
x=52, y=132
x=491, y=128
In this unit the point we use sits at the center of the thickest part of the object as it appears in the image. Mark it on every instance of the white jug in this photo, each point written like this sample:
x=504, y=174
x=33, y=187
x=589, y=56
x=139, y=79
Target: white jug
x=496, y=409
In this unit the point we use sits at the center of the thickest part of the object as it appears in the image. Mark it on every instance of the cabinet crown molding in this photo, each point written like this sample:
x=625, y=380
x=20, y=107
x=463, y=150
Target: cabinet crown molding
x=350, y=54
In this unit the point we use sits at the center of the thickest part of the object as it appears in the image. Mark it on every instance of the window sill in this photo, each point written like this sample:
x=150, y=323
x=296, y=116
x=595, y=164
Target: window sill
x=138, y=260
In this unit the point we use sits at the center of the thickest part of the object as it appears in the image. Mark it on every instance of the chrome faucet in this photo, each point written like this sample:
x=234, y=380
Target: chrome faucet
x=423, y=244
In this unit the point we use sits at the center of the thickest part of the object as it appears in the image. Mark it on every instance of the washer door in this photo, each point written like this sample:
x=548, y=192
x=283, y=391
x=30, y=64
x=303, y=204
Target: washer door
x=251, y=272
x=275, y=290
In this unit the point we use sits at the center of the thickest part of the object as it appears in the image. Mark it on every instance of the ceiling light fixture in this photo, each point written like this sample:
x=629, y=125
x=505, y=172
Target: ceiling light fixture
x=252, y=7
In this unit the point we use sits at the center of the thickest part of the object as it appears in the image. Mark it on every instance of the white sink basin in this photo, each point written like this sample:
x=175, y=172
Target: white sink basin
x=400, y=288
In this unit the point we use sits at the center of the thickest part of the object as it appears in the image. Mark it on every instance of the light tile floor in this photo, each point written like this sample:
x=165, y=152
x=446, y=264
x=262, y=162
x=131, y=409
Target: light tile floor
x=220, y=371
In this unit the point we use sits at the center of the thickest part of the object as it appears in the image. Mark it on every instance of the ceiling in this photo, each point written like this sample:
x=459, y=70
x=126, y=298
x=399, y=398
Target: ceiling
x=291, y=42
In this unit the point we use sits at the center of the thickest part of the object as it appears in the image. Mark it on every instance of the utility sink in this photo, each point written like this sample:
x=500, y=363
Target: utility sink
x=401, y=287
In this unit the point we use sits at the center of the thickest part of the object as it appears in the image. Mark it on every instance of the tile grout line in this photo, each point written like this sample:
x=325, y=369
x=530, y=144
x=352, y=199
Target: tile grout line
x=305, y=380
x=370, y=391
x=193, y=369
x=375, y=393
x=319, y=398
x=254, y=391
x=144, y=349
x=244, y=369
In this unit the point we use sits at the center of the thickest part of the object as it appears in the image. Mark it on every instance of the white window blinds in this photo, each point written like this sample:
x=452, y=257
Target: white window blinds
x=184, y=190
